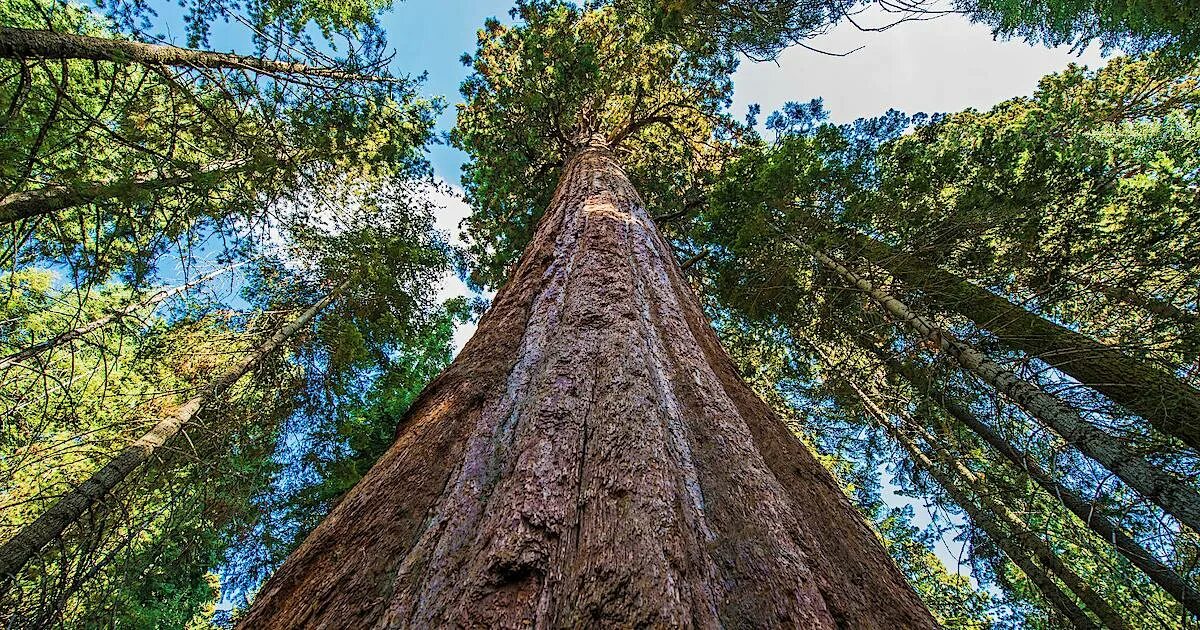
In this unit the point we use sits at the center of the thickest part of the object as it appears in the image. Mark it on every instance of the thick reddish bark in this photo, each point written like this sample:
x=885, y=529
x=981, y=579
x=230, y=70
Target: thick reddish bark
x=592, y=458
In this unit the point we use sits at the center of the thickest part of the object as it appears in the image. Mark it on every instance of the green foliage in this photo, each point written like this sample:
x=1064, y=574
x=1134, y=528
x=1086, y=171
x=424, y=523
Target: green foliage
x=319, y=184
x=761, y=29
x=333, y=442
x=366, y=358
x=1130, y=25
x=756, y=28
x=365, y=427
x=561, y=75
x=1054, y=200
x=340, y=389
x=276, y=23
x=144, y=558
x=235, y=151
x=955, y=602
x=768, y=359
x=1089, y=183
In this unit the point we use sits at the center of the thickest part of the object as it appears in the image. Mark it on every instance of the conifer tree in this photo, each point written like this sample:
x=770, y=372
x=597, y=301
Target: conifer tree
x=955, y=248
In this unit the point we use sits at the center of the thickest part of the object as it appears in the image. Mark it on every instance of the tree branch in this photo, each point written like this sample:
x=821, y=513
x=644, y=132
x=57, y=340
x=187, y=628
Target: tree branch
x=24, y=43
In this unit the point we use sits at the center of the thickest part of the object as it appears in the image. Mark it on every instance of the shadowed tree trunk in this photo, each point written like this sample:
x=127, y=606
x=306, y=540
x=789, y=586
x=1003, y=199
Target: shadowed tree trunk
x=1012, y=546
x=993, y=512
x=1105, y=527
x=1168, y=403
x=1173, y=493
x=592, y=458
x=1149, y=303
x=35, y=203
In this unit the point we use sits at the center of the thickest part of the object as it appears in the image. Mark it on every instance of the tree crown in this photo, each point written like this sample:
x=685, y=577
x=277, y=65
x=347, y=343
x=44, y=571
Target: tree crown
x=565, y=75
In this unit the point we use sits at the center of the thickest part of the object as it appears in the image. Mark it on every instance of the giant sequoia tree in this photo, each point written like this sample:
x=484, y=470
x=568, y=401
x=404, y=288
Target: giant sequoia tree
x=592, y=456
x=992, y=314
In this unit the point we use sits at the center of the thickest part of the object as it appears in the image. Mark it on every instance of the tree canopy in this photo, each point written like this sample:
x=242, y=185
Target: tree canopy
x=223, y=285
x=761, y=29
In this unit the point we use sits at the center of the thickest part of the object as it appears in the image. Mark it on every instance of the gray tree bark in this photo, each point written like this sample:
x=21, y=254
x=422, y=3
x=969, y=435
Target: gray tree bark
x=1104, y=527
x=24, y=43
x=1173, y=494
x=990, y=513
x=35, y=203
x=1164, y=400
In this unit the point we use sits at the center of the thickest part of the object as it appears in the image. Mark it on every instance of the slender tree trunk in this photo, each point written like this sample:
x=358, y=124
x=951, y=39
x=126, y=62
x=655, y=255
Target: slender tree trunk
x=1173, y=494
x=693, y=259
x=1167, y=402
x=1150, y=304
x=1012, y=546
x=1104, y=527
x=592, y=458
x=35, y=203
x=18, y=550
x=68, y=336
x=1042, y=550
x=990, y=509
x=24, y=43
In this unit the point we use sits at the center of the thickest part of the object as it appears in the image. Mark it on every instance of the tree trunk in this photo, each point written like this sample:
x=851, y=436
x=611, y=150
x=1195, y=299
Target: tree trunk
x=1026, y=537
x=25, y=43
x=68, y=336
x=990, y=512
x=1168, y=403
x=1174, y=495
x=592, y=458
x=35, y=203
x=18, y=550
x=1150, y=304
x=1013, y=548
x=1104, y=527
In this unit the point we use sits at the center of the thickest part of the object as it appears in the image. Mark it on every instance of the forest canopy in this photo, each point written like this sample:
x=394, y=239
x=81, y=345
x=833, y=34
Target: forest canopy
x=229, y=352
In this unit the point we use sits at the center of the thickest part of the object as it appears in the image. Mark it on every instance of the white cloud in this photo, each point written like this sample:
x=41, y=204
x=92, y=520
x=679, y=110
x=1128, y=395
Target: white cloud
x=450, y=210
x=941, y=65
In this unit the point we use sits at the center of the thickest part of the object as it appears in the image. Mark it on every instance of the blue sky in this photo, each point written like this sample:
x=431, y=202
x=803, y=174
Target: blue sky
x=942, y=65
x=430, y=36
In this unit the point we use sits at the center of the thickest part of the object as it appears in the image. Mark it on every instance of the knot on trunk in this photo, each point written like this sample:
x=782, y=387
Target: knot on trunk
x=513, y=566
